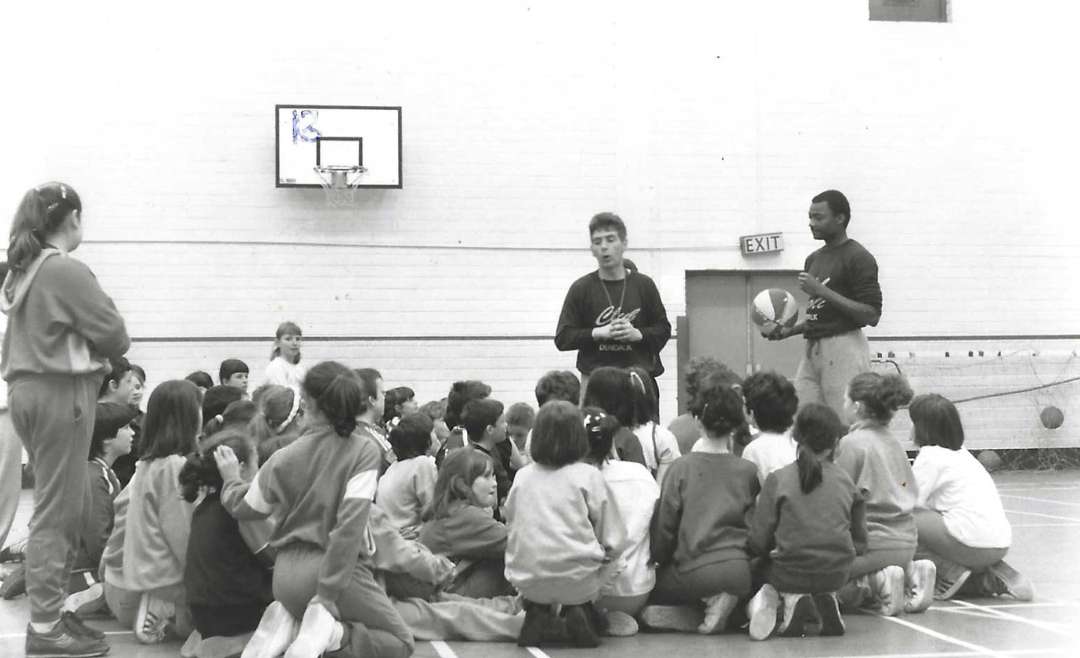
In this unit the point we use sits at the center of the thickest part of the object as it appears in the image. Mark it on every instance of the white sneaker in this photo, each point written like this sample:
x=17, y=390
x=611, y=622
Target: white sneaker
x=620, y=624
x=717, y=610
x=86, y=602
x=949, y=579
x=762, y=611
x=154, y=619
x=921, y=577
x=318, y=633
x=277, y=630
x=798, y=611
x=1000, y=578
x=887, y=586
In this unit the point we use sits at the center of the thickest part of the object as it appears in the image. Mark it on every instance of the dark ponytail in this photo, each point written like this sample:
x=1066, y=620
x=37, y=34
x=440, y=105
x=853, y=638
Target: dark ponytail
x=40, y=212
x=817, y=429
x=338, y=393
x=200, y=469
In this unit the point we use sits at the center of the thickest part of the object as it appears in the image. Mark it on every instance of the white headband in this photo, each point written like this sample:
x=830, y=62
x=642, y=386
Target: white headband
x=292, y=414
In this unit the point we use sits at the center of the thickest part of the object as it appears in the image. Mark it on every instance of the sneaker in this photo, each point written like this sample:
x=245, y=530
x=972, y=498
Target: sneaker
x=1000, y=578
x=317, y=633
x=14, y=583
x=919, y=588
x=276, y=631
x=14, y=552
x=154, y=619
x=949, y=579
x=717, y=610
x=620, y=624
x=542, y=627
x=682, y=618
x=855, y=593
x=763, y=610
x=828, y=609
x=60, y=642
x=579, y=627
x=798, y=610
x=887, y=586
x=78, y=627
x=88, y=601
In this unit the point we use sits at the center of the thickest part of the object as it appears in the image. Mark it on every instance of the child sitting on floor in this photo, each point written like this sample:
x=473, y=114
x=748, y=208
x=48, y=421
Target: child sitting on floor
x=406, y=488
x=962, y=525
x=771, y=401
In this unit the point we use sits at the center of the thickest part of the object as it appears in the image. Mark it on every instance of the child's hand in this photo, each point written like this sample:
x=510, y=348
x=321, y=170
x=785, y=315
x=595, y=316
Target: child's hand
x=227, y=463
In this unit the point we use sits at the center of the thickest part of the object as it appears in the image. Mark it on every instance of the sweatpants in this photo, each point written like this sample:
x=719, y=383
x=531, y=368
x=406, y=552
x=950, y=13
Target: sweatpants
x=10, y=474
x=678, y=588
x=375, y=628
x=124, y=605
x=827, y=367
x=471, y=620
x=876, y=559
x=935, y=543
x=54, y=417
x=790, y=581
x=226, y=620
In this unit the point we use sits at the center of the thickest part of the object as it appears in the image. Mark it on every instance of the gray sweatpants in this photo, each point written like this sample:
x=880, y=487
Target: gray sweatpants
x=828, y=366
x=54, y=417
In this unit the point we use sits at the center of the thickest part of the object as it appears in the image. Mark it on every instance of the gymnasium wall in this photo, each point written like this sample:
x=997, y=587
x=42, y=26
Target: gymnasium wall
x=954, y=142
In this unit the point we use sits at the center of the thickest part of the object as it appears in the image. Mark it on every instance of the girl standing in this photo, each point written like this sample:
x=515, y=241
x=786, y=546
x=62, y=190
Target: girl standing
x=285, y=368
x=62, y=329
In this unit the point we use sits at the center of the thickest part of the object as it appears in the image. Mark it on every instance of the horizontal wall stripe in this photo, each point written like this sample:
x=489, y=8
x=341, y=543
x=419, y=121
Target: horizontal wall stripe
x=399, y=246
x=407, y=339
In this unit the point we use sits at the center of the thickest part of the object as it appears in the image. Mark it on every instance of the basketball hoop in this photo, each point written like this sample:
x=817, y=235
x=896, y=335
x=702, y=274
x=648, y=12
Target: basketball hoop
x=340, y=181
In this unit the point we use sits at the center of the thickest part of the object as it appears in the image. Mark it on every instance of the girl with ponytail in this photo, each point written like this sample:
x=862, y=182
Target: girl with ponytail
x=808, y=527
x=62, y=329
x=321, y=488
x=699, y=531
x=886, y=576
x=278, y=421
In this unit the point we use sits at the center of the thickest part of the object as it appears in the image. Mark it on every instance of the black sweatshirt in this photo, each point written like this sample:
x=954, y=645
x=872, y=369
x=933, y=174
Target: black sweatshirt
x=587, y=306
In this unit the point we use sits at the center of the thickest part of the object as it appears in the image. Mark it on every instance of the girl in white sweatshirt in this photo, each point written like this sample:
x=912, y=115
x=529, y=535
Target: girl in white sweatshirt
x=567, y=540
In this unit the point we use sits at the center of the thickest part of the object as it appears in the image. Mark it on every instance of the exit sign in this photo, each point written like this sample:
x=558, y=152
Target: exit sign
x=764, y=243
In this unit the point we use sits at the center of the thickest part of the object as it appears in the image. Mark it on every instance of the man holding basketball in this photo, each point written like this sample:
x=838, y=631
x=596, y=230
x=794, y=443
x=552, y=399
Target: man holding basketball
x=841, y=279
x=613, y=316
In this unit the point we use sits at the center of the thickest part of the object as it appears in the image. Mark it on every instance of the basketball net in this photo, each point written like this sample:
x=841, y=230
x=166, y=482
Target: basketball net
x=340, y=183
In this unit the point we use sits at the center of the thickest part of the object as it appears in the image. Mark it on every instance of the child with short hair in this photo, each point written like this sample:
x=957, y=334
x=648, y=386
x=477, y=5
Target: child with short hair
x=519, y=422
x=234, y=372
x=119, y=385
x=285, y=368
x=885, y=574
x=612, y=390
x=227, y=585
x=567, y=541
x=320, y=487
x=809, y=524
x=406, y=488
x=145, y=556
x=486, y=427
x=217, y=399
x=112, y=438
x=700, y=528
x=634, y=492
x=558, y=385
x=369, y=423
x=461, y=393
x=458, y=524
x=962, y=524
x=278, y=419
x=700, y=368
x=201, y=379
x=238, y=414
x=658, y=444
x=771, y=400
x=400, y=401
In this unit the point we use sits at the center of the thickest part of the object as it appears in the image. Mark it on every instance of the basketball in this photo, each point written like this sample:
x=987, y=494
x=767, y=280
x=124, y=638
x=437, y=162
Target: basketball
x=1052, y=417
x=774, y=306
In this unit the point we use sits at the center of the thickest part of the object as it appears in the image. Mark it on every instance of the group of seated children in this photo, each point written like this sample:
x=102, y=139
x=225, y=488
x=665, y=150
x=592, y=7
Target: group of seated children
x=331, y=516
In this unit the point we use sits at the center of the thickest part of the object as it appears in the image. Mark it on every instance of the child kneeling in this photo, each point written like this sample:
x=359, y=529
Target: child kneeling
x=808, y=526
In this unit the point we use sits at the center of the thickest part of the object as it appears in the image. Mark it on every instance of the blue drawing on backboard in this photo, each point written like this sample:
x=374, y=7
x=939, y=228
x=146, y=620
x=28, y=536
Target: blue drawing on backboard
x=303, y=126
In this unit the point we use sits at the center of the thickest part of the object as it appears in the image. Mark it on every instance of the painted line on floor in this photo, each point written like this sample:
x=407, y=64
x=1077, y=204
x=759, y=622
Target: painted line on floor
x=965, y=612
x=12, y=636
x=443, y=649
x=943, y=637
x=1043, y=516
x=1041, y=500
x=951, y=654
x=1046, y=525
x=1043, y=625
x=537, y=652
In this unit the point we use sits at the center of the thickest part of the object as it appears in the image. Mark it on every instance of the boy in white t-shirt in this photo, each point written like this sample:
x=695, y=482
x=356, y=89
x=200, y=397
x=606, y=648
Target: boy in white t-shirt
x=962, y=524
x=772, y=403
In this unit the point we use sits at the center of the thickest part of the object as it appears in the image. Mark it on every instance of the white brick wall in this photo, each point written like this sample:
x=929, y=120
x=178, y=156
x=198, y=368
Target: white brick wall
x=954, y=142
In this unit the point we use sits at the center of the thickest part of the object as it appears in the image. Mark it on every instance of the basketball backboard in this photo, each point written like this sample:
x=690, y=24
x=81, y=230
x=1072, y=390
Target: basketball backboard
x=309, y=137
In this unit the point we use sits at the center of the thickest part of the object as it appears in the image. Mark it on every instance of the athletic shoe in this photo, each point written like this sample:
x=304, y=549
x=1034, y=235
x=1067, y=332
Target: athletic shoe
x=855, y=593
x=78, y=627
x=541, y=627
x=620, y=624
x=1000, y=578
x=887, y=586
x=798, y=610
x=717, y=610
x=763, y=610
x=919, y=589
x=682, y=618
x=579, y=627
x=60, y=642
x=86, y=602
x=14, y=583
x=154, y=619
x=828, y=609
x=949, y=579
x=318, y=632
x=14, y=552
x=276, y=631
